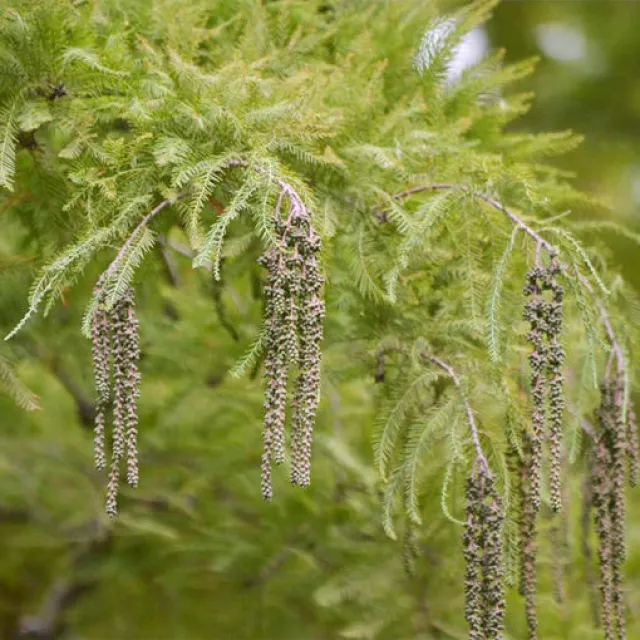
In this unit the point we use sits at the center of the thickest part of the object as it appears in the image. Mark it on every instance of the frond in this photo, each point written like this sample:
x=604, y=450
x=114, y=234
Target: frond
x=8, y=141
x=391, y=421
x=494, y=323
x=15, y=388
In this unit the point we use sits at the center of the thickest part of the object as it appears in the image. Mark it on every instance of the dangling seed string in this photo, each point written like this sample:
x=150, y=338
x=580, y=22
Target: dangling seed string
x=555, y=360
x=102, y=374
x=528, y=547
x=132, y=355
x=295, y=316
x=482, y=545
x=632, y=445
x=115, y=339
x=536, y=313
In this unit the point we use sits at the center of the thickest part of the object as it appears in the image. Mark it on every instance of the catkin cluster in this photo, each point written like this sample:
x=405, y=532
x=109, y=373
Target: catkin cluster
x=608, y=478
x=116, y=351
x=294, y=316
x=546, y=360
x=482, y=542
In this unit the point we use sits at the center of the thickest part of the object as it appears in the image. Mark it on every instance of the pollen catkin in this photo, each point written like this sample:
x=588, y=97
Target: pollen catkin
x=294, y=315
x=601, y=489
x=585, y=542
x=555, y=360
x=116, y=348
x=482, y=550
x=608, y=482
x=472, y=550
x=618, y=446
x=536, y=314
x=632, y=445
x=102, y=376
x=528, y=544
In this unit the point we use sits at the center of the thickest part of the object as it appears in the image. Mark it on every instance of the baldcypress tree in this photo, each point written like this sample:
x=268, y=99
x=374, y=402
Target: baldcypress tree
x=289, y=231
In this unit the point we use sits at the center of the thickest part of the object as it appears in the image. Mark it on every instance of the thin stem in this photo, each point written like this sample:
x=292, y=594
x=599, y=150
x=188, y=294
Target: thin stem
x=470, y=417
x=141, y=225
x=541, y=243
x=440, y=186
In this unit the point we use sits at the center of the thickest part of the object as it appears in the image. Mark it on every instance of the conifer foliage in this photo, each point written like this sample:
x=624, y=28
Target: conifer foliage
x=320, y=159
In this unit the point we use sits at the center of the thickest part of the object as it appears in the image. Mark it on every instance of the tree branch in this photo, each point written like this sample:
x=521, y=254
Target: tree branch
x=492, y=202
x=470, y=417
x=540, y=241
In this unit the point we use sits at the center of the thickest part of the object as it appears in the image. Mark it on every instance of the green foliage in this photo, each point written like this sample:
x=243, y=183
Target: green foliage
x=151, y=142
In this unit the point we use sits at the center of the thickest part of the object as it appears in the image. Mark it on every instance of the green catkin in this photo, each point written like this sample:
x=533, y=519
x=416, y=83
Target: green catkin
x=536, y=314
x=119, y=402
x=410, y=549
x=274, y=307
x=131, y=348
x=555, y=360
x=311, y=319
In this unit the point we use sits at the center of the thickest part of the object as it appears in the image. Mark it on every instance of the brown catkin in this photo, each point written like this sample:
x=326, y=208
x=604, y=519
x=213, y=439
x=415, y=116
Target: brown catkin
x=618, y=447
x=528, y=545
x=472, y=550
x=294, y=316
x=536, y=314
x=555, y=360
x=482, y=550
x=601, y=499
x=585, y=542
x=492, y=566
x=116, y=346
x=102, y=376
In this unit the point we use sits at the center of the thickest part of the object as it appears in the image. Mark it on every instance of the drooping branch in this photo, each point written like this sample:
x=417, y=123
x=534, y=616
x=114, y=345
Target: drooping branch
x=469, y=411
x=134, y=234
x=540, y=242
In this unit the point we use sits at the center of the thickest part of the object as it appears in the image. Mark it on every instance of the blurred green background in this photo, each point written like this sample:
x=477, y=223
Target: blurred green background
x=587, y=80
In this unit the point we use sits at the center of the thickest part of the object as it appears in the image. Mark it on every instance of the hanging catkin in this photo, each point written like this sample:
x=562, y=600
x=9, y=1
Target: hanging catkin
x=536, y=314
x=115, y=356
x=482, y=549
x=294, y=315
x=608, y=479
x=528, y=544
x=555, y=360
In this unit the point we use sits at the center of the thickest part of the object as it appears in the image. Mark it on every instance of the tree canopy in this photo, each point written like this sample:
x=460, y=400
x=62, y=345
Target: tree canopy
x=297, y=246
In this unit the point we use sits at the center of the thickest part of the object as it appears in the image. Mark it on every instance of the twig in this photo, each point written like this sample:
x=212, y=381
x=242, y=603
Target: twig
x=470, y=417
x=549, y=248
x=141, y=225
x=541, y=243
x=49, y=622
